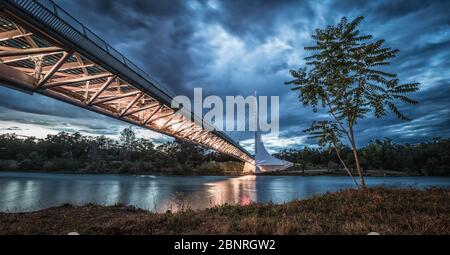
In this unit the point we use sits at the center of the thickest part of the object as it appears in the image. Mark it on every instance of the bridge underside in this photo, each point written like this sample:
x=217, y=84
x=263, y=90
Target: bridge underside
x=34, y=62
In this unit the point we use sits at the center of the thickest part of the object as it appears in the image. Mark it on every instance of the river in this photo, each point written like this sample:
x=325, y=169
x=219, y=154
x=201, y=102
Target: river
x=22, y=192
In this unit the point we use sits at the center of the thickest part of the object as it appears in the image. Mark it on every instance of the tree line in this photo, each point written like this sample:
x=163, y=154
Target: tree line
x=426, y=158
x=129, y=154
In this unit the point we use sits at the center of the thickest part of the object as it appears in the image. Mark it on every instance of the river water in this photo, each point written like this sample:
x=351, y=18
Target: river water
x=20, y=192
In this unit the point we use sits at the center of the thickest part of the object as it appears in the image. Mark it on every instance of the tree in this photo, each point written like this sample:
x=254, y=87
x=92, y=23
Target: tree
x=128, y=140
x=346, y=81
x=328, y=135
x=184, y=153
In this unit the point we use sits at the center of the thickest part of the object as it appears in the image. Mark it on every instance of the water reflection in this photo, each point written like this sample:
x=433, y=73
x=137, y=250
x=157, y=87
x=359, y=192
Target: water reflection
x=239, y=190
x=30, y=191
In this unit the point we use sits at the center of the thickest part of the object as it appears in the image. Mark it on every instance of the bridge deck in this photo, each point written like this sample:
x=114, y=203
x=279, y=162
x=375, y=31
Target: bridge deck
x=45, y=50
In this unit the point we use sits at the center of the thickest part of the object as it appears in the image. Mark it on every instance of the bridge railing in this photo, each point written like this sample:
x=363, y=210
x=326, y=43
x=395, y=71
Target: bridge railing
x=75, y=24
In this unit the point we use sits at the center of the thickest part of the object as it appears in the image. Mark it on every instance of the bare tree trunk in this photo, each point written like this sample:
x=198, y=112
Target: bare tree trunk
x=345, y=167
x=356, y=156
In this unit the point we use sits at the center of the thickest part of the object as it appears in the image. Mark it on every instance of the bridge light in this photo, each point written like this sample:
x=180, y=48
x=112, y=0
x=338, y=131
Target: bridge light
x=159, y=123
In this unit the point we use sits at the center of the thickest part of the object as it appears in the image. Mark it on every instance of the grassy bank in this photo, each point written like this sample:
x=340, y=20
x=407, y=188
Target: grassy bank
x=387, y=211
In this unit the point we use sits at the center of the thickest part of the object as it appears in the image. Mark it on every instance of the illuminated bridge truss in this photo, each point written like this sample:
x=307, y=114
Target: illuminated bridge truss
x=35, y=59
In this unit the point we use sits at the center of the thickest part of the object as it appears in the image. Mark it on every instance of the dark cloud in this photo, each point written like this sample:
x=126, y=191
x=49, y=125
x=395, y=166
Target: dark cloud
x=38, y=104
x=387, y=10
x=255, y=19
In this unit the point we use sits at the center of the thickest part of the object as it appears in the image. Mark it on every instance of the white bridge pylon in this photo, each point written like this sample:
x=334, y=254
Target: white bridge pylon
x=264, y=161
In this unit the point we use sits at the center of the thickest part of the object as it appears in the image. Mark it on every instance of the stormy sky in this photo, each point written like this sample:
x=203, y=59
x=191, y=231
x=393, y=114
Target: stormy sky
x=233, y=47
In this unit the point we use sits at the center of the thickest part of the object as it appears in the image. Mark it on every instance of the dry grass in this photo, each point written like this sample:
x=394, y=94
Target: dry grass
x=386, y=211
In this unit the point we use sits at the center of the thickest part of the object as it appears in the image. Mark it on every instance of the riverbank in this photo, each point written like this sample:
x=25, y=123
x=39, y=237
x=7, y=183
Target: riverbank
x=235, y=172
x=386, y=211
x=155, y=173
x=326, y=172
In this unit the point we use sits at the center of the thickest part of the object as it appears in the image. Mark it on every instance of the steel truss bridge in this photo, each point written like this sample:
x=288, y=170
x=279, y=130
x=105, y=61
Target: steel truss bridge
x=44, y=50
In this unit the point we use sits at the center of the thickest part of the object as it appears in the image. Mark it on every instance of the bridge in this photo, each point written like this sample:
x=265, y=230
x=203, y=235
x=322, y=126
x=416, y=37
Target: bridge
x=45, y=50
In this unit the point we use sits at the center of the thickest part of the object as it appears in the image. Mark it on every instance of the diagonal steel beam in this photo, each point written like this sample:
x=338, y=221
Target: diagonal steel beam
x=7, y=60
x=77, y=80
x=32, y=51
x=200, y=135
x=191, y=132
x=181, y=129
x=221, y=145
x=6, y=48
x=81, y=64
x=55, y=68
x=3, y=39
x=178, y=121
x=214, y=140
x=85, y=72
x=93, y=87
x=169, y=121
x=100, y=91
x=45, y=70
x=64, y=67
x=181, y=126
x=109, y=99
x=141, y=109
x=196, y=134
x=208, y=140
x=74, y=65
x=202, y=138
x=218, y=142
x=160, y=117
x=131, y=104
x=28, y=38
x=12, y=34
x=152, y=114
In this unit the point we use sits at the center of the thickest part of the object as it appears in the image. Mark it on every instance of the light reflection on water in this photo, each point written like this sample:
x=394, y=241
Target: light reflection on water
x=34, y=191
